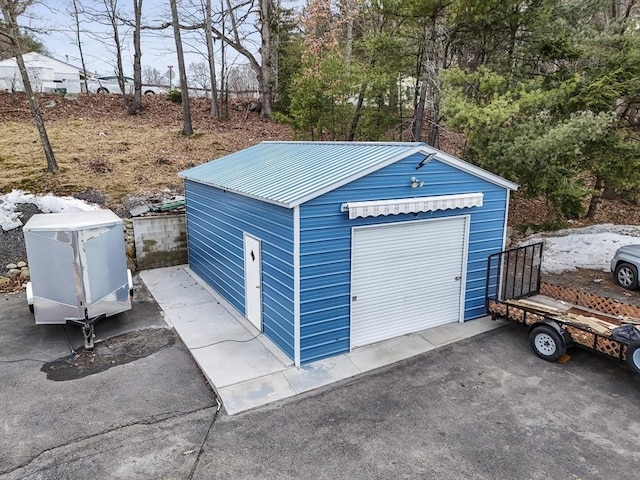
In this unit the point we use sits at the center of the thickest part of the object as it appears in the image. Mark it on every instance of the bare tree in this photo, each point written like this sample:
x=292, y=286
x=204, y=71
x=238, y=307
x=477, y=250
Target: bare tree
x=266, y=94
x=200, y=74
x=11, y=10
x=111, y=11
x=208, y=25
x=187, y=127
x=152, y=76
x=136, y=104
x=76, y=17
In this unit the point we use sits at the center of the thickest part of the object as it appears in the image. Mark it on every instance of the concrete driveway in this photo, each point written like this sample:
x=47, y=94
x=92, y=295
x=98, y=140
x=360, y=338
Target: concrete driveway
x=482, y=408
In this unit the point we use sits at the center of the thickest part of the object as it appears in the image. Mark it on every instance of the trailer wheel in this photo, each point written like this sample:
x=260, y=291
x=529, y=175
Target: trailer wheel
x=547, y=343
x=633, y=357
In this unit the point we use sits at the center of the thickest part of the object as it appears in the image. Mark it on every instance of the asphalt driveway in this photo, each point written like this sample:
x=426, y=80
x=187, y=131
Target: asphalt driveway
x=483, y=408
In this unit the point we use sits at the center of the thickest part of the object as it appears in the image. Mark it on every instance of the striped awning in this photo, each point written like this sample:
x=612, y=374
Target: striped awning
x=376, y=208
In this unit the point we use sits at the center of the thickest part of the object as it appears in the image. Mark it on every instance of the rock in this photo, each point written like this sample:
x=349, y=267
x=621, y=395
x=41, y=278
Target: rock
x=71, y=96
x=21, y=264
x=11, y=266
x=136, y=211
x=3, y=280
x=13, y=273
x=24, y=273
x=49, y=104
x=131, y=265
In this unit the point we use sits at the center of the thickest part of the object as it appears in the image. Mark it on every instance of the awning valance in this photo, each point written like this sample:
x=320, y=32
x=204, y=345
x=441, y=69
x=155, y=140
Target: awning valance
x=397, y=206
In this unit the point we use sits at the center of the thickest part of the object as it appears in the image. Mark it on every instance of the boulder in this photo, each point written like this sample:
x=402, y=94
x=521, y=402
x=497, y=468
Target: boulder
x=13, y=273
x=11, y=266
x=24, y=273
x=3, y=280
x=21, y=264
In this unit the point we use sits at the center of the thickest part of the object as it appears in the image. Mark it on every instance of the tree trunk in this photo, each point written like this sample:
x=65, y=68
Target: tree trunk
x=111, y=7
x=136, y=104
x=428, y=84
x=187, y=128
x=9, y=11
x=84, y=67
x=215, y=112
x=598, y=188
x=356, y=116
x=265, y=53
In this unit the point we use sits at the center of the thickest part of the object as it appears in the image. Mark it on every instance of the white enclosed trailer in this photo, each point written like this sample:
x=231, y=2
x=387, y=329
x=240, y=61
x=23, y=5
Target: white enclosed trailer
x=78, y=268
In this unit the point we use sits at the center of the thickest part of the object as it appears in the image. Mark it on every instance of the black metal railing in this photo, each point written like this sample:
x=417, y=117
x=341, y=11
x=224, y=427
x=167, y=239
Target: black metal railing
x=514, y=273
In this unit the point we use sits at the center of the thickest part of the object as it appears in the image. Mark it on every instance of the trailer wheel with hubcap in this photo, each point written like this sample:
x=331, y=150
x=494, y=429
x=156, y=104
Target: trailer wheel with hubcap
x=633, y=357
x=547, y=343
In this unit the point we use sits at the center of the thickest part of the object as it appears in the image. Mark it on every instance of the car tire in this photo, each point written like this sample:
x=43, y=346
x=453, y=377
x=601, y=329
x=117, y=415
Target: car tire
x=547, y=343
x=103, y=90
x=149, y=92
x=626, y=276
x=633, y=357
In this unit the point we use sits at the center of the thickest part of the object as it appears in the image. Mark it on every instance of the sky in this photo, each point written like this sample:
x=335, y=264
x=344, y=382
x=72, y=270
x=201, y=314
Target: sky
x=588, y=247
x=56, y=26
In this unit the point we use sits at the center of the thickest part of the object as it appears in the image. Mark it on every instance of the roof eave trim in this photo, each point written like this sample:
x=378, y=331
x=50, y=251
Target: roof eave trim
x=242, y=194
x=468, y=167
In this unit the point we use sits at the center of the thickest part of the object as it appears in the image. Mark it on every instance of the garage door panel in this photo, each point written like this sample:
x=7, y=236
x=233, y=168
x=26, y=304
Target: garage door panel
x=406, y=277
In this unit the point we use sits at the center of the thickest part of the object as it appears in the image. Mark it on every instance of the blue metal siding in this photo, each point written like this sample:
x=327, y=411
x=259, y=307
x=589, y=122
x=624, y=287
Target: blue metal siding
x=325, y=244
x=216, y=222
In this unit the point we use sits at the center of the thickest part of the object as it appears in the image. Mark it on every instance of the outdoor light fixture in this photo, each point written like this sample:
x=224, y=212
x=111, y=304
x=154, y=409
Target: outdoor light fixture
x=424, y=161
x=415, y=182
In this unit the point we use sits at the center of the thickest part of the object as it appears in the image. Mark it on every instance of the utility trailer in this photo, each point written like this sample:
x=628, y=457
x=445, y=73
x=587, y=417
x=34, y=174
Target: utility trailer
x=559, y=317
x=78, y=269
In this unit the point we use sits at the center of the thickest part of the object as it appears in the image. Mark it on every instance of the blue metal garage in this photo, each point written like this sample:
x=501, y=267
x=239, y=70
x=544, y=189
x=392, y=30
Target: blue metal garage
x=328, y=246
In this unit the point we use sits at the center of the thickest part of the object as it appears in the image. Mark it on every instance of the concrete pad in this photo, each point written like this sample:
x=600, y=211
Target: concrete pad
x=388, y=352
x=232, y=353
x=255, y=393
x=320, y=373
x=454, y=332
x=206, y=323
x=231, y=362
x=173, y=287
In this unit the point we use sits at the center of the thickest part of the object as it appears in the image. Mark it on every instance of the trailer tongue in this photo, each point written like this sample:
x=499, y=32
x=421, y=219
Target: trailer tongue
x=559, y=317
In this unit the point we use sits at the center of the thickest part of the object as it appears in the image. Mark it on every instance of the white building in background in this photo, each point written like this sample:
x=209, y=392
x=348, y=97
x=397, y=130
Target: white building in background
x=45, y=73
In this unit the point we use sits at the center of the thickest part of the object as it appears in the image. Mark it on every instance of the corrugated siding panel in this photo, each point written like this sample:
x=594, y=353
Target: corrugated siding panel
x=326, y=237
x=216, y=221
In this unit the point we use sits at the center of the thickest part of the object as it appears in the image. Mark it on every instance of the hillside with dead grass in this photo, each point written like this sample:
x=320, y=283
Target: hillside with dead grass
x=100, y=148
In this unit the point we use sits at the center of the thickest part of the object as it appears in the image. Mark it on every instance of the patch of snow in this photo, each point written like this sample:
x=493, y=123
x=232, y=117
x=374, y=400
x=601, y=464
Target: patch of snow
x=587, y=247
x=49, y=203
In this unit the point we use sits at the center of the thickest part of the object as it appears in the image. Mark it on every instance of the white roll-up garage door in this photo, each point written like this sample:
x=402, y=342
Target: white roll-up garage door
x=406, y=277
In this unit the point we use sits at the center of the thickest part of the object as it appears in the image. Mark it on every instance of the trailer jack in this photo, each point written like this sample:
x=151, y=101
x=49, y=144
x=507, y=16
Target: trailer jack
x=88, y=329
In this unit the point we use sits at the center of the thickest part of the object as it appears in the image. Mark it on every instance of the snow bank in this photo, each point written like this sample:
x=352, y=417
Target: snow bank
x=9, y=218
x=588, y=247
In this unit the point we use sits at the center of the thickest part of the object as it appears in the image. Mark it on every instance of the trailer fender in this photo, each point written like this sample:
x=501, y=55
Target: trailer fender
x=568, y=341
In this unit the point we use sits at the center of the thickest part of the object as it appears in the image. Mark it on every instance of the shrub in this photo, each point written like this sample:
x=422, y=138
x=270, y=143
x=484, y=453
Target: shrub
x=175, y=95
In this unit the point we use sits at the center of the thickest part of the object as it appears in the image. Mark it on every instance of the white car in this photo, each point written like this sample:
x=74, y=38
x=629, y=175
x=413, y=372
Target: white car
x=110, y=84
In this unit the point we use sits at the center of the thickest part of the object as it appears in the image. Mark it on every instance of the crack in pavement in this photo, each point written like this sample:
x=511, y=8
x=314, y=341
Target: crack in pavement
x=154, y=419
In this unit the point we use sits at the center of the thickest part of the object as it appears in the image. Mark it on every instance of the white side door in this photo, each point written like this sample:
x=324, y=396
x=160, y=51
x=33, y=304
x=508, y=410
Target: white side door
x=253, y=280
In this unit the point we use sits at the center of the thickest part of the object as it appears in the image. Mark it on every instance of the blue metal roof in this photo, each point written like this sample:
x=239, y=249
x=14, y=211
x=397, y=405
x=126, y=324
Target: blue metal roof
x=292, y=173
